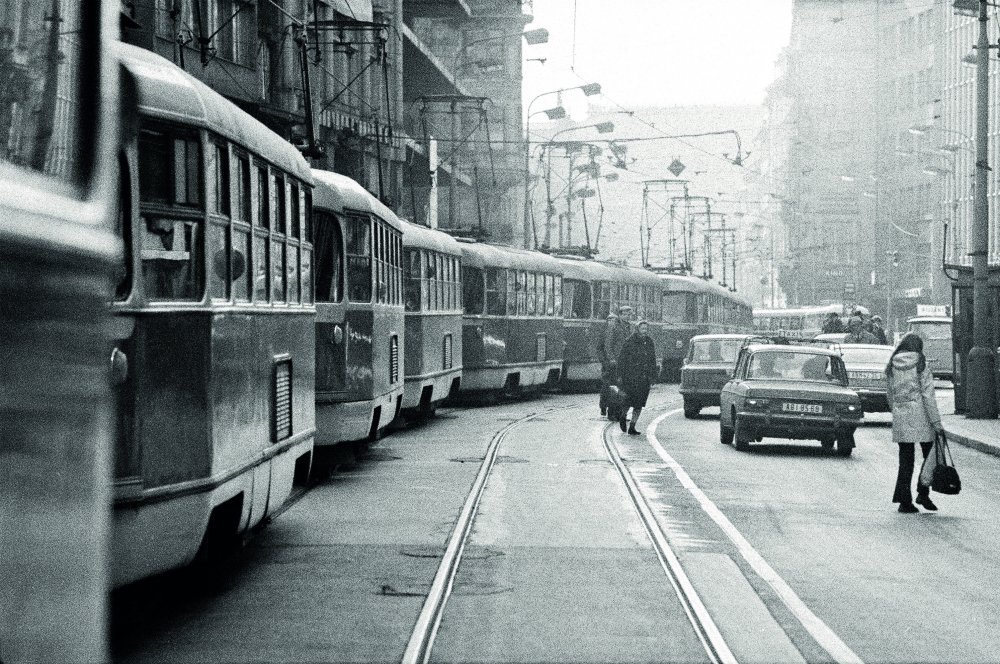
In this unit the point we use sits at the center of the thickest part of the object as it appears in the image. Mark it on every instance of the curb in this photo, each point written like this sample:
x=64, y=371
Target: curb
x=985, y=448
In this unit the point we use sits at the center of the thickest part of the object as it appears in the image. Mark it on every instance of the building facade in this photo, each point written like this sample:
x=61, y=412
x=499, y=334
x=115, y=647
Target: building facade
x=387, y=92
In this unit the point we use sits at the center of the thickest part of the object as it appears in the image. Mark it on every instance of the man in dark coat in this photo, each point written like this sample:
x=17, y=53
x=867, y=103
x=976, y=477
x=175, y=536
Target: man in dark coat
x=637, y=367
x=614, y=338
x=833, y=323
x=607, y=364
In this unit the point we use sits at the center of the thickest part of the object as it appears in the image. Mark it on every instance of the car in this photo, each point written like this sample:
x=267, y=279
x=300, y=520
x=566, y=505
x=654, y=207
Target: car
x=865, y=365
x=707, y=367
x=789, y=391
x=936, y=333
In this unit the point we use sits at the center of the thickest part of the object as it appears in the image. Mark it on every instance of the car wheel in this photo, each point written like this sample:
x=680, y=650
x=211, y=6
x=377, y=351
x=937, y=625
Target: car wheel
x=845, y=444
x=827, y=443
x=742, y=436
x=725, y=434
x=691, y=409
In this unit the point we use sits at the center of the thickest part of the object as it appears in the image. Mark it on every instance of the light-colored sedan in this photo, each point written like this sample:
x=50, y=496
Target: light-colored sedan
x=866, y=374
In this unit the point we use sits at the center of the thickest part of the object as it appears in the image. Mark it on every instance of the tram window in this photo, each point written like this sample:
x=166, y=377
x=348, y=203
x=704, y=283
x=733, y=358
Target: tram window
x=187, y=171
x=218, y=171
x=240, y=268
x=359, y=258
x=602, y=306
x=39, y=132
x=261, y=270
x=529, y=298
x=328, y=244
x=218, y=252
x=496, y=291
x=124, y=231
x=472, y=280
x=558, y=304
x=292, y=273
x=439, y=282
x=171, y=260
x=307, y=283
x=412, y=285
x=280, y=212
x=577, y=299
x=294, y=218
x=264, y=197
x=458, y=282
x=307, y=219
x=154, y=166
x=277, y=272
x=241, y=209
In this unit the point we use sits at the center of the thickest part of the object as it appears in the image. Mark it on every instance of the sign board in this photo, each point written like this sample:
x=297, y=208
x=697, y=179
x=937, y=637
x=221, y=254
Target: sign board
x=676, y=167
x=912, y=293
x=932, y=309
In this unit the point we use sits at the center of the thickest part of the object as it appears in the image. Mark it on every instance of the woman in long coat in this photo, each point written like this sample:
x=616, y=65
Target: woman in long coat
x=915, y=417
x=637, y=368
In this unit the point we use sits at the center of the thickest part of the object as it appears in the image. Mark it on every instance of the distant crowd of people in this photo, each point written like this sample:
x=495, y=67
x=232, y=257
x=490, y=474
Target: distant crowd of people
x=860, y=328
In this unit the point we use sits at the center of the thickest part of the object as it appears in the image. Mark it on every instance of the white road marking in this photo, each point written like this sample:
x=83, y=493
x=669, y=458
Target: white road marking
x=819, y=630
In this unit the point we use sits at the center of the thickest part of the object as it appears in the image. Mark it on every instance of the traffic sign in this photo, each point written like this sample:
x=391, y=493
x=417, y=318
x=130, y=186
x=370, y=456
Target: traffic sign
x=676, y=167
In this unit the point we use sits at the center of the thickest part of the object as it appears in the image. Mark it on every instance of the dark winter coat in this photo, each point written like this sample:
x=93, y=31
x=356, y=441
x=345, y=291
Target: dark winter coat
x=614, y=339
x=637, y=367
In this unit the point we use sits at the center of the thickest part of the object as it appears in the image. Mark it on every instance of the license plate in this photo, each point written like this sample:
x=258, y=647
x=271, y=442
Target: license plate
x=865, y=375
x=802, y=407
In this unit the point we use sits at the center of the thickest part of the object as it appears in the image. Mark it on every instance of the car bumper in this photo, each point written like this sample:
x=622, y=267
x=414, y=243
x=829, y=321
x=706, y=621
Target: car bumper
x=703, y=396
x=780, y=425
x=873, y=401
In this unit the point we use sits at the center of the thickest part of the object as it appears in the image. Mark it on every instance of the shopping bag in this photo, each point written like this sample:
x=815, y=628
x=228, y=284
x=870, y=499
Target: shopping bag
x=926, y=477
x=946, y=479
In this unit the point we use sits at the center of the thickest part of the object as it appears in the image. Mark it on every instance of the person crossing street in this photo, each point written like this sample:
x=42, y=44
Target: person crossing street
x=637, y=366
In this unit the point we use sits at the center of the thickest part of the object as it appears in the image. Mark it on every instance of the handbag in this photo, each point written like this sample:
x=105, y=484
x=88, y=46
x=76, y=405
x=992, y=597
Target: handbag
x=945, y=479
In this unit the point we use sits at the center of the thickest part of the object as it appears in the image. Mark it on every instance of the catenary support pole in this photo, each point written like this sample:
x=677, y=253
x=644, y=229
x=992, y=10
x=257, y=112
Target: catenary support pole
x=980, y=382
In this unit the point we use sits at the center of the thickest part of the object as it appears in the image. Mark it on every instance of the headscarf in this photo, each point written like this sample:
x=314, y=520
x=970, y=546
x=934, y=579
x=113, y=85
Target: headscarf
x=910, y=343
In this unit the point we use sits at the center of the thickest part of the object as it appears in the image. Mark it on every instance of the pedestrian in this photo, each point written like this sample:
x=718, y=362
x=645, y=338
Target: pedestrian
x=614, y=338
x=915, y=417
x=607, y=364
x=637, y=366
x=878, y=331
x=833, y=324
x=856, y=333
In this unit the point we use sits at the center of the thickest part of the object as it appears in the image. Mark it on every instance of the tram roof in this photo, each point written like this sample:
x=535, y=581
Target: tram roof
x=687, y=283
x=422, y=237
x=592, y=270
x=170, y=93
x=339, y=193
x=802, y=311
x=481, y=255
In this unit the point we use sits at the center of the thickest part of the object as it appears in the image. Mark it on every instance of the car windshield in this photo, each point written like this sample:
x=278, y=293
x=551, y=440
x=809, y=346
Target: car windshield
x=716, y=350
x=790, y=365
x=929, y=331
x=854, y=355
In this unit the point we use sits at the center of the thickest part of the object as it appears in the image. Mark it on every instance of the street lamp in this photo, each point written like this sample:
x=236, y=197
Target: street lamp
x=532, y=37
x=588, y=89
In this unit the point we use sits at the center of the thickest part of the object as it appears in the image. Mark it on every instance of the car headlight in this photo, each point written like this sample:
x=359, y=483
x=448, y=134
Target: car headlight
x=757, y=403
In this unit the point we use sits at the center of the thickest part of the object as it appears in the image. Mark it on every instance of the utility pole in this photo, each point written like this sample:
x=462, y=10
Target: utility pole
x=569, y=200
x=452, y=184
x=980, y=380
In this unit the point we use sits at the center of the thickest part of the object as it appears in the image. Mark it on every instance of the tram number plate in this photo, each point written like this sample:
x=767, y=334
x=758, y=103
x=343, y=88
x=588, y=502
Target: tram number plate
x=802, y=407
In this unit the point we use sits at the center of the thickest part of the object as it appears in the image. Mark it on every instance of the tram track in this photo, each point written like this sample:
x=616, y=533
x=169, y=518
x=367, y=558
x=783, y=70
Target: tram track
x=694, y=609
x=418, y=648
x=421, y=642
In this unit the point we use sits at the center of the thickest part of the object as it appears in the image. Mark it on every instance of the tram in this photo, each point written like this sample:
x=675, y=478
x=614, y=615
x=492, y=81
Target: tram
x=359, y=311
x=433, y=319
x=694, y=306
x=512, y=333
x=804, y=322
x=591, y=291
x=216, y=319
x=58, y=259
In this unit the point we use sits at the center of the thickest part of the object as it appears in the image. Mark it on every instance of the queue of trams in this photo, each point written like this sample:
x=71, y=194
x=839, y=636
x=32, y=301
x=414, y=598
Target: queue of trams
x=195, y=313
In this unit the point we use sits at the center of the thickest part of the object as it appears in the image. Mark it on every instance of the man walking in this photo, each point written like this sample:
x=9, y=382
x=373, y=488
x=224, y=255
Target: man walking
x=856, y=333
x=637, y=365
x=607, y=364
x=614, y=338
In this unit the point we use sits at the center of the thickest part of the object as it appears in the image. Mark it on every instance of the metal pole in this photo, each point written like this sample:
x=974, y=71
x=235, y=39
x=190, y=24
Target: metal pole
x=526, y=227
x=549, y=206
x=452, y=184
x=569, y=201
x=981, y=401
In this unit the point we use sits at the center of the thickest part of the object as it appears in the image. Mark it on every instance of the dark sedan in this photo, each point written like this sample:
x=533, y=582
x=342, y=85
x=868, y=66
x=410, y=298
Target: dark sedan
x=866, y=374
x=787, y=391
x=707, y=367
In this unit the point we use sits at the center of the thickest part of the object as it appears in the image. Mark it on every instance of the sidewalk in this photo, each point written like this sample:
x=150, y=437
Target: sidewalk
x=982, y=435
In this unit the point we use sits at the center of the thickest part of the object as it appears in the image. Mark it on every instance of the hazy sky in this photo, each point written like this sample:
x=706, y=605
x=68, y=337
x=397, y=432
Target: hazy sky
x=660, y=52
